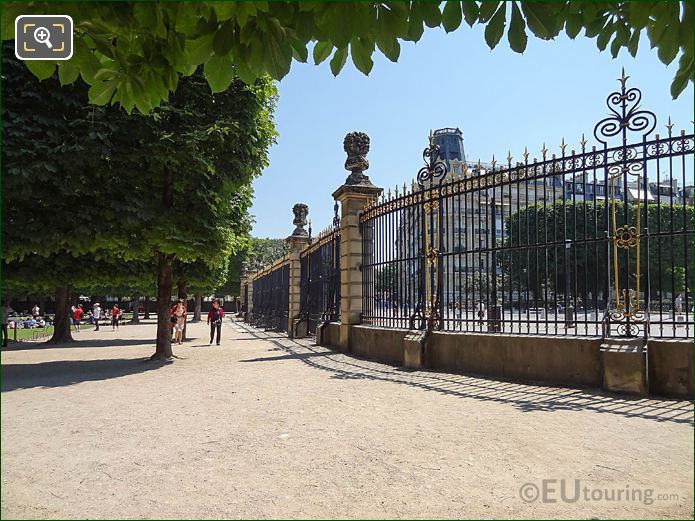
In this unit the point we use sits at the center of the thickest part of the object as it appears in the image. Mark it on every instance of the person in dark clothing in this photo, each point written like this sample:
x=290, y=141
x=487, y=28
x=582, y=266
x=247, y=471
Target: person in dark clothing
x=215, y=316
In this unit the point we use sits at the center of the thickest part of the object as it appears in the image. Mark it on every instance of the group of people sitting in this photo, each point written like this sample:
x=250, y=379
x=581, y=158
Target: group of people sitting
x=28, y=322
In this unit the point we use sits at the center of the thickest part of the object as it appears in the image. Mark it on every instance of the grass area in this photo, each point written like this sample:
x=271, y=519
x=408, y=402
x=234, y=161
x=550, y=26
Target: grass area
x=24, y=335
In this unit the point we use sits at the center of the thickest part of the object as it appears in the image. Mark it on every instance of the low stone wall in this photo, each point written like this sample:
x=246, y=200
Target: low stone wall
x=376, y=343
x=532, y=358
x=543, y=359
x=328, y=334
x=670, y=367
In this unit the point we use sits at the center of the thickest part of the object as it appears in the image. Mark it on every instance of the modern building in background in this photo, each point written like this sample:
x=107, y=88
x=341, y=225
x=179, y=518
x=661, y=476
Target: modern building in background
x=450, y=142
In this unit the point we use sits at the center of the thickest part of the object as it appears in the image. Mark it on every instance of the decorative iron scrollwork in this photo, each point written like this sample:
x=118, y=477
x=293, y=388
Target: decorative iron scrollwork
x=626, y=114
x=434, y=169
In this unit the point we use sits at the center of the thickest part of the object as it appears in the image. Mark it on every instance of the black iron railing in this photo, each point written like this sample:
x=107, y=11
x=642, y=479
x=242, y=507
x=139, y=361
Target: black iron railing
x=592, y=242
x=320, y=276
x=271, y=296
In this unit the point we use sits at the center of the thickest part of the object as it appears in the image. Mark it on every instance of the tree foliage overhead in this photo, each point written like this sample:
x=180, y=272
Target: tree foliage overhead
x=92, y=195
x=131, y=53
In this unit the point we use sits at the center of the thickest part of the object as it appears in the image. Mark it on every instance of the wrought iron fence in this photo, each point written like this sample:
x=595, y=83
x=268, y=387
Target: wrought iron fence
x=271, y=296
x=594, y=241
x=320, y=276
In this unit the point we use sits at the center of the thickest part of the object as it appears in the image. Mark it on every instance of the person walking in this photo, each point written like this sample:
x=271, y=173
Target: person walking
x=6, y=310
x=215, y=316
x=178, y=312
x=481, y=312
x=96, y=313
x=114, y=317
x=77, y=316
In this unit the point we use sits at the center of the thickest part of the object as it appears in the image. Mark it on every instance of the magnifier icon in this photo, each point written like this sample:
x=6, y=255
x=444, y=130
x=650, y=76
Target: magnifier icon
x=42, y=35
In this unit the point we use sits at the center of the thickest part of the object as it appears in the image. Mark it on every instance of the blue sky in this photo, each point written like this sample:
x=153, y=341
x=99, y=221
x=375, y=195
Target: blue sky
x=502, y=101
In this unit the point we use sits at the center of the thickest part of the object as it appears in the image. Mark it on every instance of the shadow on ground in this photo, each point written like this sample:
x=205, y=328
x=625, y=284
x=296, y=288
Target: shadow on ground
x=68, y=372
x=525, y=397
x=89, y=343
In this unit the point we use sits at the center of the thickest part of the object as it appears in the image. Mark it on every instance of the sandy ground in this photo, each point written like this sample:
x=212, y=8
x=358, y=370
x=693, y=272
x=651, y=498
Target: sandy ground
x=264, y=427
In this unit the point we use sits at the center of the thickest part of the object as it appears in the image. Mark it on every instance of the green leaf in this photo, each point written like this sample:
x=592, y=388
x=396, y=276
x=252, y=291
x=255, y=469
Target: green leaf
x=299, y=50
x=224, y=10
x=615, y=46
x=85, y=60
x=574, y=25
x=68, y=72
x=361, y=53
x=223, y=38
x=452, y=15
x=245, y=73
x=683, y=76
x=495, y=27
x=517, y=31
x=470, y=11
x=622, y=35
x=322, y=50
x=277, y=53
x=101, y=93
x=487, y=9
x=105, y=74
x=655, y=31
x=337, y=22
x=604, y=36
x=633, y=43
x=42, y=69
x=219, y=73
x=149, y=15
x=668, y=47
x=391, y=49
x=244, y=10
x=431, y=14
x=415, y=23
x=392, y=20
x=639, y=13
x=338, y=60
x=541, y=19
x=199, y=50
x=594, y=28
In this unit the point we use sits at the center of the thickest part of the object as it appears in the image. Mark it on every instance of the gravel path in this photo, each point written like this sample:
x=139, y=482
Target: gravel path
x=263, y=427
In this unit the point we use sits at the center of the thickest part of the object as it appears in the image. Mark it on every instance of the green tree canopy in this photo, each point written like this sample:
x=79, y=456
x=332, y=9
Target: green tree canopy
x=133, y=53
x=94, y=184
x=528, y=265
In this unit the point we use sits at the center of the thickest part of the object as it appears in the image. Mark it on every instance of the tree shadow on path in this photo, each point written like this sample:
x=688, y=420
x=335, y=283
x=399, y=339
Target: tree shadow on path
x=523, y=396
x=68, y=372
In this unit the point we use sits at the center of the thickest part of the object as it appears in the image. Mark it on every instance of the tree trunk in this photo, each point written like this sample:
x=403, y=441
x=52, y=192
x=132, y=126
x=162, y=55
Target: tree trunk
x=163, y=351
x=61, y=324
x=146, y=305
x=183, y=293
x=136, y=310
x=196, y=308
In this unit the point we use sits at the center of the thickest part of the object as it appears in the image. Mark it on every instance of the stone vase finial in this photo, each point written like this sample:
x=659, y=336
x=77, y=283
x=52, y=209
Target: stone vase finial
x=300, y=211
x=356, y=145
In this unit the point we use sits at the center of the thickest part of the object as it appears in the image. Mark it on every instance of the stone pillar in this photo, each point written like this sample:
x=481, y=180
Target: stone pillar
x=297, y=241
x=353, y=196
x=250, y=275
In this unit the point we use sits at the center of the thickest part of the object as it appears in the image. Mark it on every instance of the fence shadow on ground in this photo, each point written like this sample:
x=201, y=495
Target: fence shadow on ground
x=68, y=372
x=525, y=397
